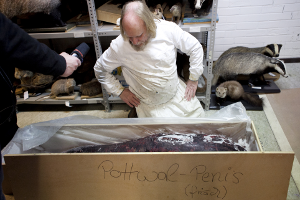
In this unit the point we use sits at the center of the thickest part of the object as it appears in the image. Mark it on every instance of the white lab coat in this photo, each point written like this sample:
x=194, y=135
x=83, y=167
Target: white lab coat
x=152, y=73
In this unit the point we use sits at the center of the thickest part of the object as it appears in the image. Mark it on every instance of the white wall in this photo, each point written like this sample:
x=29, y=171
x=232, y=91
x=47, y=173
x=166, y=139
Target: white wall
x=256, y=23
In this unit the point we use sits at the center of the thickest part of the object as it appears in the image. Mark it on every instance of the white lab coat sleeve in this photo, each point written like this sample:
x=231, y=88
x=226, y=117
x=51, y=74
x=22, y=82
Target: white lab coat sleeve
x=189, y=45
x=103, y=68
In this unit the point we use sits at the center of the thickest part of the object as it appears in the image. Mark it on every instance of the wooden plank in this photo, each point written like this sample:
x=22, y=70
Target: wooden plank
x=6, y=186
x=90, y=97
x=189, y=175
x=68, y=97
x=256, y=137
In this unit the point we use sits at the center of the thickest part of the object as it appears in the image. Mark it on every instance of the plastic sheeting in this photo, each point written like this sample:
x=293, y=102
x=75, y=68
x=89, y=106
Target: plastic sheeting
x=60, y=135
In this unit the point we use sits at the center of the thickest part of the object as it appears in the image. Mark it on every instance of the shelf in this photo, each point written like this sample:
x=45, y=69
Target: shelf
x=106, y=30
x=42, y=100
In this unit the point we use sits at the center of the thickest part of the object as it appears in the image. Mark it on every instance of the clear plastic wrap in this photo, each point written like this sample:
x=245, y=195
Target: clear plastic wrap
x=60, y=135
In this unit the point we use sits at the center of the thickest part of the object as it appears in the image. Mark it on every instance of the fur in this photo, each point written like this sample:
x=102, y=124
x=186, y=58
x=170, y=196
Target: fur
x=11, y=8
x=233, y=64
x=235, y=91
x=203, y=5
x=19, y=73
x=271, y=50
x=91, y=88
x=159, y=12
x=62, y=86
x=176, y=12
x=33, y=82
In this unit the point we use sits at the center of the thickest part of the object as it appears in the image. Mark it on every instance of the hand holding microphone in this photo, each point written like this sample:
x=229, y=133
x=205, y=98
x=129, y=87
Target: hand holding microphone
x=74, y=60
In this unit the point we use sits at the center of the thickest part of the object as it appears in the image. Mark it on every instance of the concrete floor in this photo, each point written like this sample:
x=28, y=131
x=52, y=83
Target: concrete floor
x=269, y=131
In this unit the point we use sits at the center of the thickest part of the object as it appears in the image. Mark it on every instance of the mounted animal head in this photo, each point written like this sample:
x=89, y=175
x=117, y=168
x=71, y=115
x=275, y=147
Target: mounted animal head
x=221, y=92
x=272, y=50
x=198, y=3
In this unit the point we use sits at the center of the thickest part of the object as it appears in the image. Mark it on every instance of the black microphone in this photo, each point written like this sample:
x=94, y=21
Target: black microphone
x=81, y=51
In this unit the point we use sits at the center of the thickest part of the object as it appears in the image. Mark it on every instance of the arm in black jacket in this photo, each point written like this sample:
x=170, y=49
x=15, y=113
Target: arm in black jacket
x=18, y=49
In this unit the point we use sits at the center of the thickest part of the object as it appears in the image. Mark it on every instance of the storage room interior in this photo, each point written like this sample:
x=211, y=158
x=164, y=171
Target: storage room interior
x=238, y=23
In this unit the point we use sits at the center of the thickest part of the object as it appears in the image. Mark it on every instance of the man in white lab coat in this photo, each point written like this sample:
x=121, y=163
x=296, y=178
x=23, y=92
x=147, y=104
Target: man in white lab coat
x=147, y=50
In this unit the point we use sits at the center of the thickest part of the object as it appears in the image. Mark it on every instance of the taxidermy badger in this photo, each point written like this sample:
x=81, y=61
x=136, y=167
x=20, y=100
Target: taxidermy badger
x=203, y=5
x=235, y=91
x=233, y=64
x=271, y=50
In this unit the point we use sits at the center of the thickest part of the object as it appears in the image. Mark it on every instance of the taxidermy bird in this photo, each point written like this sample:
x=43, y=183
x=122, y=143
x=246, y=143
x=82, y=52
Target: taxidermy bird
x=253, y=64
x=235, y=91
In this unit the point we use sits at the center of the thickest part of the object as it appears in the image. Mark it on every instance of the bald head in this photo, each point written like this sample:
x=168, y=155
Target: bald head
x=137, y=24
x=130, y=19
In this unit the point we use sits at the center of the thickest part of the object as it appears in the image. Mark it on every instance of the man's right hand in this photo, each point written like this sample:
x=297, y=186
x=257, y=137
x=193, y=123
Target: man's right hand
x=72, y=64
x=129, y=98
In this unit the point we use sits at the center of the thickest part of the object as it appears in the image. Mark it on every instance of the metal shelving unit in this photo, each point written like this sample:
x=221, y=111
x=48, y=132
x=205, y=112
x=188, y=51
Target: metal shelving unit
x=97, y=31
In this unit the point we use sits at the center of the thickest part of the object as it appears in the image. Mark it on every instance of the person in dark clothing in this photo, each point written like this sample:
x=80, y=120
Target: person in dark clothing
x=18, y=49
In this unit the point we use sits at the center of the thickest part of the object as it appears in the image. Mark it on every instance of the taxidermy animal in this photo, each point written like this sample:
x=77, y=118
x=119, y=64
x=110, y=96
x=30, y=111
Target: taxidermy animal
x=158, y=13
x=19, y=73
x=235, y=91
x=62, y=86
x=33, y=82
x=33, y=13
x=233, y=64
x=18, y=7
x=176, y=12
x=203, y=5
x=271, y=50
x=91, y=88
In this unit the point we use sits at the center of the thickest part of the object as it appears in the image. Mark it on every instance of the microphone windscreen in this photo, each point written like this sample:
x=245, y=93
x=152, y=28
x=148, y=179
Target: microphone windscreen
x=81, y=51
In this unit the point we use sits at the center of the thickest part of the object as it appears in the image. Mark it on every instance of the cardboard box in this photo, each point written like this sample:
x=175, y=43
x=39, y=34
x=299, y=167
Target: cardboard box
x=108, y=13
x=230, y=175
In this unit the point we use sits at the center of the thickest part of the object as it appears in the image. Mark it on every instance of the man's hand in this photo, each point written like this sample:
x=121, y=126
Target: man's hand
x=72, y=64
x=190, y=91
x=129, y=98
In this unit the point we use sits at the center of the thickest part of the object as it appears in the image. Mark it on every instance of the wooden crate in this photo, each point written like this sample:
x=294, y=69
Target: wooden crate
x=167, y=175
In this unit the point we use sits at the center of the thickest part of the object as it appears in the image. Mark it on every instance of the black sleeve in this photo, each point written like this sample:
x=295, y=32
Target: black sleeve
x=18, y=49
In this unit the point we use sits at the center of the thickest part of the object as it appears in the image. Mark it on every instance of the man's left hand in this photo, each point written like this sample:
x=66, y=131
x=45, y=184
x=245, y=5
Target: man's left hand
x=190, y=91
